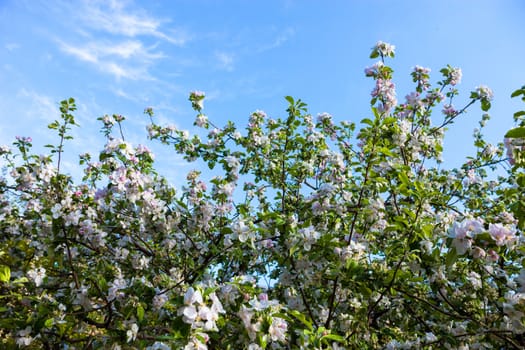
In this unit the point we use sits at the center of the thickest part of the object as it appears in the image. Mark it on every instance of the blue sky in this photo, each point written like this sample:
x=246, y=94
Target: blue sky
x=122, y=56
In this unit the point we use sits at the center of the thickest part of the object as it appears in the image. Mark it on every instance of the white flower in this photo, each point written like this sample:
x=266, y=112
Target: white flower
x=462, y=245
x=484, y=92
x=56, y=211
x=114, y=288
x=393, y=344
x=246, y=314
x=132, y=332
x=227, y=189
x=475, y=279
x=210, y=316
x=511, y=304
x=201, y=120
x=463, y=233
x=158, y=346
x=262, y=302
x=502, y=234
x=472, y=178
x=23, y=337
x=278, y=329
x=216, y=304
x=233, y=162
x=197, y=99
x=455, y=76
x=321, y=117
x=242, y=231
x=385, y=49
x=37, y=275
x=189, y=313
x=192, y=296
x=426, y=246
x=196, y=344
x=140, y=262
x=73, y=218
x=159, y=300
x=310, y=236
x=430, y=337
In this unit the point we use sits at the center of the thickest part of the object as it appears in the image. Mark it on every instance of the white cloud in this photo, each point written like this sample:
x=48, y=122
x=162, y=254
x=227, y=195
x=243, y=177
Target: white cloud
x=130, y=49
x=114, y=18
x=129, y=59
x=119, y=50
x=121, y=93
x=121, y=71
x=41, y=107
x=81, y=53
x=225, y=60
x=92, y=51
x=279, y=40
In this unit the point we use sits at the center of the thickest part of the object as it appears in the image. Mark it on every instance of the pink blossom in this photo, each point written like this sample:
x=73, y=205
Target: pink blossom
x=278, y=329
x=201, y=120
x=449, y=111
x=197, y=99
x=492, y=255
x=502, y=234
x=455, y=76
x=384, y=49
x=462, y=234
x=386, y=93
x=484, y=93
x=375, y=70
x=478, y=253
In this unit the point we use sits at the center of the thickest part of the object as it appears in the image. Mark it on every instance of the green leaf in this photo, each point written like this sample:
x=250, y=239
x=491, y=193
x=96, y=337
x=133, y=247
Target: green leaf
x=451, y=258
x=485, y=105
x=5, y=274
x=140, y=313
x=21, y=280
x=53, y=125
x=404, y=178
x=521, y=180
x=367, y=121
x=49, y=323
x=293, y=249
x=516, y=133
x=302, y=319
x=518, y=92
x=334, y=337
x=289, y=99
x=519, y=114
x=262, y=341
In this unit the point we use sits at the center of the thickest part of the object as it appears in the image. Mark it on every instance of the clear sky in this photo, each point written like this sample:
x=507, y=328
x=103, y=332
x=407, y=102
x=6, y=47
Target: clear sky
x=122, y=56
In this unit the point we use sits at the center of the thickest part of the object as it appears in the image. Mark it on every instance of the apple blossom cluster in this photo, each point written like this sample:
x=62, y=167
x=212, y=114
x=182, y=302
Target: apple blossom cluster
x=197, y=100
x=514, y=147
x=484, y=93
x=472, y=231
x=309, y=234
x=452, y=75
x=383, y=49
